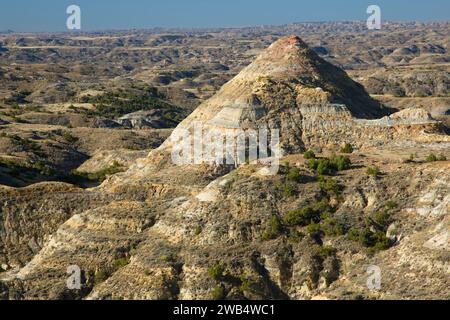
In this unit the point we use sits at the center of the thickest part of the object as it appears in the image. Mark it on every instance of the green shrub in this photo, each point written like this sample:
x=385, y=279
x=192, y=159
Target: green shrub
x=248, y=285
x=309, y=154
x=274, y=229
x=442, y=158
x=121, y=262
x=324, y=166
x=381, y=241
x=303, y=216
x=293, y=174
x=324, y=252
x=218, y=293
x=198, y=230
x=332, y=227
x=347, y=148
x=328, y=166
x=340, y=163
x=295, y=236
x=315, y=230
x=376, y=241
x=366, y=237
x=98, y=176
x=391, y=204
x=353, y=234
x=313, y=163
x=216, y=272
x=169, y=258
x=382, y=219
x=288, y=190
x=431, y=158
x=373, y=171
x=69, y=137
x=330, y=187
x=321, y=206
x=100, y=276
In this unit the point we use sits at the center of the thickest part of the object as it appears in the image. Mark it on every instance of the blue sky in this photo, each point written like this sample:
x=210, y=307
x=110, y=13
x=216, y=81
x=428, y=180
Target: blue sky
x=50, y=15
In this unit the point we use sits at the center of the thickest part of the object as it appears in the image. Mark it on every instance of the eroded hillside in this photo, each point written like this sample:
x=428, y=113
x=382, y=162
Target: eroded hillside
x=372, y=188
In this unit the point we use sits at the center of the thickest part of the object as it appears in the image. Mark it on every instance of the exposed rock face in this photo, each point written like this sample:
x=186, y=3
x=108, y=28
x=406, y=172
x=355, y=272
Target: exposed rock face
x=158, y=228
x=146, y=119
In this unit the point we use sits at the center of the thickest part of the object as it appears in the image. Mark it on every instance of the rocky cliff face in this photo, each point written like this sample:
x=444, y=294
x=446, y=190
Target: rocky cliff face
x=163, y=231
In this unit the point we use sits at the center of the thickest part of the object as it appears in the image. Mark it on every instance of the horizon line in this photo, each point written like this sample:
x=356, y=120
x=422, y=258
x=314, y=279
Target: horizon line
x=205, y=29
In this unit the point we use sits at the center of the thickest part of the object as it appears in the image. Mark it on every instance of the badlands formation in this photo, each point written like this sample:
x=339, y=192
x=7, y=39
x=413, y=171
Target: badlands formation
x=166, y=231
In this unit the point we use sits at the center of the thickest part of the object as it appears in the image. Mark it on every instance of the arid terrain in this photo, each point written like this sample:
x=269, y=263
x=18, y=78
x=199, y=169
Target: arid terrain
x=87, y=122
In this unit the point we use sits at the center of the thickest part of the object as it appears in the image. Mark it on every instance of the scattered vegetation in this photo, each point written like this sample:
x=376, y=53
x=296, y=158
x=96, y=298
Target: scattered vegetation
x=432, y=158
x=373, y=234
x=121, y=102
x=99, y=176
x=308, y=214
x=376, y=241
x=295, y=236
x=17, y=97
x=332, y=227
x=329, y=166
x=27, y=143
x=324, y=252
x=26, y=169
x=330, y=187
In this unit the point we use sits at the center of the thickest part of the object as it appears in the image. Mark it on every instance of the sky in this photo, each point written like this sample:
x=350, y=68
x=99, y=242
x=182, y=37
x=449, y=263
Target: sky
x=50, y=15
